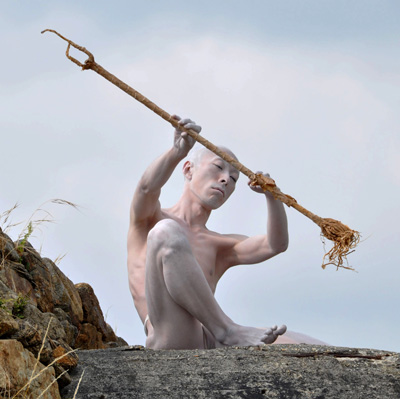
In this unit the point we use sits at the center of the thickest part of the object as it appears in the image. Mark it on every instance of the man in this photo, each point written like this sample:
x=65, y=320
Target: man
x=175, y=262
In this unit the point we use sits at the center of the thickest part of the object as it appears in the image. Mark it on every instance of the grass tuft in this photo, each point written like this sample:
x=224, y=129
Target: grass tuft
x=39, y=217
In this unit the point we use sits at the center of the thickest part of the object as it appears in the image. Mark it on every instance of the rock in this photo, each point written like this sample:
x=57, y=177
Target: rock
x=65, y=295
x=32, y=330
x=18, y=279
x=273, y=371
x=32, y=338
x=6, y=293
x=29, y=257
x=7, y=248
x=8, y=325
x=71, y=332
x=65, y=360
x=92, y=312
x=29, y=336
x=121, y=342
x=16, y=367
x=111, y=337
x=89, y=338
x=63, y=378
x=42, y=320
x=65, y=357
x=44, y=289
x=94, y=323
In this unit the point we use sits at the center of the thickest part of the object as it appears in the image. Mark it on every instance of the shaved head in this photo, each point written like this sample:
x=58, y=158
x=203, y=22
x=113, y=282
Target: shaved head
x=197, y=155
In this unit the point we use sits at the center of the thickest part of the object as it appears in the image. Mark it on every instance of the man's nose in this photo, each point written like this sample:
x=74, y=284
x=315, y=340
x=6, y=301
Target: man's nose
x=224, y=178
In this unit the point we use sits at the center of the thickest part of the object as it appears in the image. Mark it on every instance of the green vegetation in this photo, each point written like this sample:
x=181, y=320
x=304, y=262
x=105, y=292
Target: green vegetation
x=3, y=303
x=19, y=306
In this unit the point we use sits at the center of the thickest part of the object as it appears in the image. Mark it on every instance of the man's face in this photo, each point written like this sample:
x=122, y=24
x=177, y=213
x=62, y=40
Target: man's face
x=213, y=180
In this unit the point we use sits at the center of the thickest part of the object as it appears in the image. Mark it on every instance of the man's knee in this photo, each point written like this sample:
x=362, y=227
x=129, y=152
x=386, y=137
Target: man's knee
x=167, y=233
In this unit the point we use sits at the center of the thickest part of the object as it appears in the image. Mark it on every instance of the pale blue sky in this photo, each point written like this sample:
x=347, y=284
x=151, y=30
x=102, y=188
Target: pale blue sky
x=306, y=90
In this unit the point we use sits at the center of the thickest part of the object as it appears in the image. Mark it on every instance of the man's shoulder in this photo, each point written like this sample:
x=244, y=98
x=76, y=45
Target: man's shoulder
x=225, y=240
x=232, y=236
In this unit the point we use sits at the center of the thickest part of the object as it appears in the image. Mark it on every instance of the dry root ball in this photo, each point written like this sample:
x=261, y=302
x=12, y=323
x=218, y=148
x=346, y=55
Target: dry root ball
x=344, y=241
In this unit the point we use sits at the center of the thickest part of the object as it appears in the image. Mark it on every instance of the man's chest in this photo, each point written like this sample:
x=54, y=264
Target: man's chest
x=207, y=249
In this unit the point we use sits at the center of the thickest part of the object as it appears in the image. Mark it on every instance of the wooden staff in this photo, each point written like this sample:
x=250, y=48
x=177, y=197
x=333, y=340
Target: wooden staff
x=344, y=239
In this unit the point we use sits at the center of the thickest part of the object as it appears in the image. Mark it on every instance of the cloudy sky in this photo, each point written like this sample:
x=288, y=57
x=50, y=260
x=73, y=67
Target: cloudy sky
x=305, y=90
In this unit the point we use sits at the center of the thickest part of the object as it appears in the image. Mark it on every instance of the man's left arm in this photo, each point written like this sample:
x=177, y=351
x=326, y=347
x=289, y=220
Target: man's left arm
x=249, y=250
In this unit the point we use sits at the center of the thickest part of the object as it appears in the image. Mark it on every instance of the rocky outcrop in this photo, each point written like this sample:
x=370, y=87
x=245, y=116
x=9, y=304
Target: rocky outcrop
x=273, y=371
x=35, y=297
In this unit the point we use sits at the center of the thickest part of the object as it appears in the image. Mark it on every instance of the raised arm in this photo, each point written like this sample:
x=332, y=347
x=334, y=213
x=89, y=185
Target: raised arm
x=249, y=250
x=145, y=203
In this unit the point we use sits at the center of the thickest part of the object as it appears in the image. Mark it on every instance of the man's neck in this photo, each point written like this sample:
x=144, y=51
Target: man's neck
x=191, y=212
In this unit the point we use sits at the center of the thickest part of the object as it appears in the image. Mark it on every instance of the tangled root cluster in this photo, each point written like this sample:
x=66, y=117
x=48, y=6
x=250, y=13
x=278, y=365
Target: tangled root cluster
x=344, y=241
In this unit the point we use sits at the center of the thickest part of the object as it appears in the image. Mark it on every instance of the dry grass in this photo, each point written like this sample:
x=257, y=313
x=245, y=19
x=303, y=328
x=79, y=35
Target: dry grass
x=38, y=218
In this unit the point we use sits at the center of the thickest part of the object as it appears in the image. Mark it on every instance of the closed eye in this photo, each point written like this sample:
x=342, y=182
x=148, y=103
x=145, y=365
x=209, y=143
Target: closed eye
x=218, y=166
x=234, y=179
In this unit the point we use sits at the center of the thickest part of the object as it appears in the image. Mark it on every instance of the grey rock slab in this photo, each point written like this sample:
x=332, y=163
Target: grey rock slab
x=274, y=371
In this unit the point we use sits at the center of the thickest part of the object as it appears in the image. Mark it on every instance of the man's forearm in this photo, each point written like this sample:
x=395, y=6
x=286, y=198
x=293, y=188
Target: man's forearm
x=277, y=226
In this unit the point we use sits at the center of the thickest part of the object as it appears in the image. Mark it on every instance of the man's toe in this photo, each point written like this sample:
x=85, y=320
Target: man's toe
x=281, y=330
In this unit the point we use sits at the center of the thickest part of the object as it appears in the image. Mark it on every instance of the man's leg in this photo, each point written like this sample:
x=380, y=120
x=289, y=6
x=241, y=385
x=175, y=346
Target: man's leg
x=179, y=298
x=173, y=283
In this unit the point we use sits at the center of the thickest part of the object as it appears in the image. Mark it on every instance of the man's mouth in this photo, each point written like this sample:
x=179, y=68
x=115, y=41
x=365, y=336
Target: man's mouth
x=220, y=190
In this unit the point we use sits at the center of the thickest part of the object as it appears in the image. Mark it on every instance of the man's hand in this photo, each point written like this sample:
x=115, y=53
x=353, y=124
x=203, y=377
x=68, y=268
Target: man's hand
x=183, y=143
x=258, y=189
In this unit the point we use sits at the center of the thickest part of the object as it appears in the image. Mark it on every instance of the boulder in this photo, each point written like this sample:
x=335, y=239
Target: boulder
x=92, y=312
x=89, y=338
x=17, y=366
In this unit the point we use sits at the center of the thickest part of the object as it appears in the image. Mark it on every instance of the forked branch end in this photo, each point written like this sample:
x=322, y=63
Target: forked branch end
x=87, y=64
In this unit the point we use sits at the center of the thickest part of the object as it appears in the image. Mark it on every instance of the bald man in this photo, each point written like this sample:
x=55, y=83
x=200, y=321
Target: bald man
x=175, y=262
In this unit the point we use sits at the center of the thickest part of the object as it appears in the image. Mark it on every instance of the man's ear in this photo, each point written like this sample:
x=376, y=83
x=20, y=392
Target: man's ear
x=188, y=170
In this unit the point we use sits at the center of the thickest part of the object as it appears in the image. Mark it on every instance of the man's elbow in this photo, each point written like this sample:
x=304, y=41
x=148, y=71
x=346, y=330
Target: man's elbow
x=280, y=247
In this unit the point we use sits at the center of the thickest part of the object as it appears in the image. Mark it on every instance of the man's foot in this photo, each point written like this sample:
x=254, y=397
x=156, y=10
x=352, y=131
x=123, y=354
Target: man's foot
x=273, y=333
x=251, y=336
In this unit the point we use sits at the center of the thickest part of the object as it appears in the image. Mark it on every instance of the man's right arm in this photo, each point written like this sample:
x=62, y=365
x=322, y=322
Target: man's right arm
x=145, y=203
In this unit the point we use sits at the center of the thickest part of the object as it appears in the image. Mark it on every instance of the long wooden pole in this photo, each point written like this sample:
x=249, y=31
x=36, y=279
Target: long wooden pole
x=344, y=239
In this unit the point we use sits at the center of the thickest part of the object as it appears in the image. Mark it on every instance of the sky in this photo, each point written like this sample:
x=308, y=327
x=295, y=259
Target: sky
x=307, y=91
